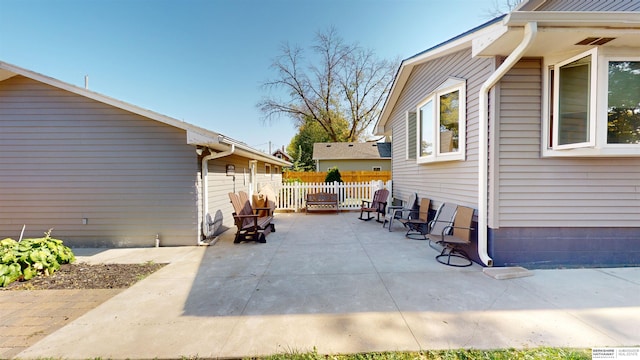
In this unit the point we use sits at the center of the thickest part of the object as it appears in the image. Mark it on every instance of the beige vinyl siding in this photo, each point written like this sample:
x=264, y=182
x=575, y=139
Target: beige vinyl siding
x=590, y=5
x=64, y=157
x=555, y=192
x=220, y=184
x=453, y=181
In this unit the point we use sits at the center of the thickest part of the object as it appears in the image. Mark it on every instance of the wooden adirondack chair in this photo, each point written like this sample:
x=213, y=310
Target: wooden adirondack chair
x=250, y=225
x=378, y=205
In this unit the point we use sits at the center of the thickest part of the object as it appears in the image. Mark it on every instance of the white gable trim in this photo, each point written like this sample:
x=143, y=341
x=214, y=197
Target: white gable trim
x=454, y=45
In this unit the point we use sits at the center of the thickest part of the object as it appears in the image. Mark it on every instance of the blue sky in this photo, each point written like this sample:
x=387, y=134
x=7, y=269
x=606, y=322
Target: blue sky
x=204, y=61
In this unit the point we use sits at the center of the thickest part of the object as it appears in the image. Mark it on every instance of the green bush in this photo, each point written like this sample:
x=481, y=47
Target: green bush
x=23, y=260
x=292, y=181
x=333, y=175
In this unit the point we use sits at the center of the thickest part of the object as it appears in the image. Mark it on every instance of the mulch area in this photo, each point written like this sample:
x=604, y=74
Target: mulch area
x=85, y=276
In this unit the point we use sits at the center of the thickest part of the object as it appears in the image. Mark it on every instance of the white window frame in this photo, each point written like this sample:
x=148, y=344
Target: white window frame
x=449, y=86
x=599, y=86
x=267, y=170
x=593, y=74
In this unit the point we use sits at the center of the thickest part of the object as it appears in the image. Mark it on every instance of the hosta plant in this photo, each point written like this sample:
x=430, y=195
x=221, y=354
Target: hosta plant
x=23, y=260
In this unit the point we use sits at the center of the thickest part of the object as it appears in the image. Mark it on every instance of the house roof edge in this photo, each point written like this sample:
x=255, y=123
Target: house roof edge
x=205, y=136
x=455, y=43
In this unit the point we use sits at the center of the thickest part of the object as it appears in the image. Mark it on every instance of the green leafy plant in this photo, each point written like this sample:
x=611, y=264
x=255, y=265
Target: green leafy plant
x=333, y=175
x=292, y=181
x=23, y=260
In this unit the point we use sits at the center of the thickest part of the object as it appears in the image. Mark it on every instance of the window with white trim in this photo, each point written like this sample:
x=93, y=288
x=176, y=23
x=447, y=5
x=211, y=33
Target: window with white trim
x=441, y=123
x=267, y=170
x=593, y=104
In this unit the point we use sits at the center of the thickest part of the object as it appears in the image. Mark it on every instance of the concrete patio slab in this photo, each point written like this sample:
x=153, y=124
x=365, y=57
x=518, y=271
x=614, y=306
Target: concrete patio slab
x=340, y=285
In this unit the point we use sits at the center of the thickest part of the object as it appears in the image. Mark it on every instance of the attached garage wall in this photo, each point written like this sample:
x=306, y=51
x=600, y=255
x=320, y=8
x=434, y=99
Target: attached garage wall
x=65, y=158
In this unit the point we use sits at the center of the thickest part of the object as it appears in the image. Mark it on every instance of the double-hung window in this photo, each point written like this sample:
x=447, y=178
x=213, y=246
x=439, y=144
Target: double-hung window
x=441, y=123
x=593, y=105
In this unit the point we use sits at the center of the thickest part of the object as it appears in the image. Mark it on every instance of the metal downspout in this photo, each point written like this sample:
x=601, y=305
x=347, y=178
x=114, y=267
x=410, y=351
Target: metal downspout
x=205, y=182
x=530, y=32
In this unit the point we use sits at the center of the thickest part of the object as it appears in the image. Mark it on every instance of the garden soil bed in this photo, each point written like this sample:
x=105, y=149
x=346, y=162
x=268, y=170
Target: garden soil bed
x=85, y=276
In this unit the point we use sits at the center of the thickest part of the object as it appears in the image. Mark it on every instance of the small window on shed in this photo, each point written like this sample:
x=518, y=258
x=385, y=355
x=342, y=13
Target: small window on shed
x=377, y=168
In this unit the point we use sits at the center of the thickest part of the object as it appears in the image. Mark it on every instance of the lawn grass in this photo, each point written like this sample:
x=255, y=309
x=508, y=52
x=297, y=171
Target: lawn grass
x=458, y=354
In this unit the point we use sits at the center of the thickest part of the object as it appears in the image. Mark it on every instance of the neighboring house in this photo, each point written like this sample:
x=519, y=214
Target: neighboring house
x=102, y=172
x=533, y=119
x=281, y=154
x=368, y=156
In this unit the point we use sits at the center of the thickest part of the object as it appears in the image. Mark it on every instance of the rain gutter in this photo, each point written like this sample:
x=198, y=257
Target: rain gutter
x=530, y=33
x=205, y=182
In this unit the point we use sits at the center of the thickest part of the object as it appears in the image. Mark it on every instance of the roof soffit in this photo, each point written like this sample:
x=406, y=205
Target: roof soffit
x=560, y=31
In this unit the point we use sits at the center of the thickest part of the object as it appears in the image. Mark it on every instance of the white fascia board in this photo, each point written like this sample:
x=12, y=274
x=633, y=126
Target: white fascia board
x=480, y=43
x=196, y=138
x=251, y=153
x=400, y=79
x=220, y=142
x=448, y=47
x=404, y=72
x=613, y=19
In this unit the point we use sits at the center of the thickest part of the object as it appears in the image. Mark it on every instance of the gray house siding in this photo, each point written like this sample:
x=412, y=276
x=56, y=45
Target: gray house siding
x=546, y=207
x=65, y=158
x=553, y=211
x=453, y=181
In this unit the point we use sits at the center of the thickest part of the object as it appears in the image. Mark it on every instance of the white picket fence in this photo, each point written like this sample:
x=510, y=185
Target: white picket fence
x=350, y=195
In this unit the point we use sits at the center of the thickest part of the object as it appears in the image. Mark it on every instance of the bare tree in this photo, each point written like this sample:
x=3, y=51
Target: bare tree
x=501, y=7
x=342, y=87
